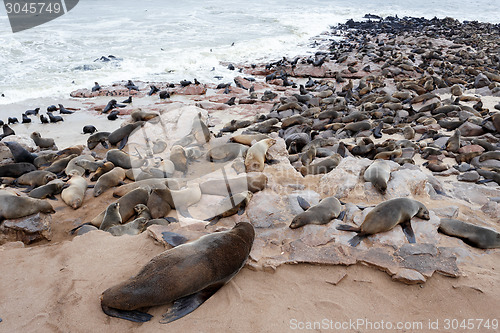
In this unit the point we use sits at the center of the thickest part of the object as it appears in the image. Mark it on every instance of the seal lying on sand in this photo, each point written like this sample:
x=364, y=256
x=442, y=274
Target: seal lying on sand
x=386, y=216
x=186, y=275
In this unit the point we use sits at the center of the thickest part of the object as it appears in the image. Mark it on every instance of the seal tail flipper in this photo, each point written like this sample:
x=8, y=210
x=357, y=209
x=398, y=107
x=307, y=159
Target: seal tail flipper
x=135, y=316
x=188, y=304
x=346, y=227
x=173, y=238
x=303, y=203
x=184, y=212
x=355, y=240
x=408, y=231
x=212, y=220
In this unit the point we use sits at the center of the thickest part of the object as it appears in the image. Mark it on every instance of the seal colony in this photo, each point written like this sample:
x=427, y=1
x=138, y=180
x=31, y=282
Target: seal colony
x=393, y=95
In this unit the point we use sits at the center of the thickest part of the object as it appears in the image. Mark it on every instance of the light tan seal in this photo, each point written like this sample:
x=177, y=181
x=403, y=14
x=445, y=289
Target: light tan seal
x=186, y=275
x=378, y=173
x=74, y=194
x=106, y=167
x=256, y=155
x=13, y=206
x=110, y=179
x=386, y=216
x=476, y=236
x=322, y=213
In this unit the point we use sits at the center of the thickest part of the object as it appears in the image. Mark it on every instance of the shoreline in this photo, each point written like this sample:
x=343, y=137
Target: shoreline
x=271, y=289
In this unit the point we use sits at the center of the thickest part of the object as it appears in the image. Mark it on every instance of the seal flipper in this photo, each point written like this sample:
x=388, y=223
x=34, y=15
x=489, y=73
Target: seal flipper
x=346, y=227
x=303, y=203
x=212, y=220
x=105, y=144
x=408, y=231
x=356, y=240
x=188, y=304
x=184, y=212
x=173, y=238
x=135, y=316
x=241, y=209
x=341, y=215
x=123, y=143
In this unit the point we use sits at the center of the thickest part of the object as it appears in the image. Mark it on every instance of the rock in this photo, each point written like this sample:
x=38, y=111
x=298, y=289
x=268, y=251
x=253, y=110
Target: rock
x=25, y=141
x=492, y=209
x=474, y=192
x=266, y=209
x=28, y=229
x=481, y=81
x=192, y=89
x=312, y=197
x=406, y=183
x=344, y=178
x=450, y=212
x=470, y=149
x=469, y=176
x=470, y=129
x=409, y=276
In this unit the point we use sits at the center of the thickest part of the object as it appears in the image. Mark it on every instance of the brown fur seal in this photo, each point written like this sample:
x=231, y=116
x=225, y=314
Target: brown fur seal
x=186, y=275
x=179, y=158
x=90, y=166
x=60, y=164
x=179, y=200
x=110, y=179
x=496, y=121
x=453, y=143
x=74, y=194
x=121, y=159
x=15, y=170
x=389, y=155
x=322, y=213
x=13, y=206
x=231, y=205
x=111, y=217
x=386, y=216
x=256, y=155
x=36, y=178
x=42, y=142
x=483, y=238
x=226, y=152
x=140, y=115
x=490, y=155
x=96, y=138
x=324, y=166
x=121, y=135
x=378, y=173
x=106, y=167
x=127, y=205
x=307, y=157
x=48, y=190
x=160, y=203
x=131, y=228
x=73, y=169
x=247, y=139
x=150, y=184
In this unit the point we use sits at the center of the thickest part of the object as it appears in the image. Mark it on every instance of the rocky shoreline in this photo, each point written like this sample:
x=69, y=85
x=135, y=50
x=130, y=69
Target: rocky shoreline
x=422, y=94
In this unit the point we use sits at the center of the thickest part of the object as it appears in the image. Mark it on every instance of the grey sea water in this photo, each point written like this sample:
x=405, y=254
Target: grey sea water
x=173, y=40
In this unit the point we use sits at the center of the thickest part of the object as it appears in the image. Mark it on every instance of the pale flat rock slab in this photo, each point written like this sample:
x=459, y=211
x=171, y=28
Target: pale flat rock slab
x=28, y=229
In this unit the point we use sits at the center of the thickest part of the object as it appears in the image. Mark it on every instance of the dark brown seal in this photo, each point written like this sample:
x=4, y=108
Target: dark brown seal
x=186, y=275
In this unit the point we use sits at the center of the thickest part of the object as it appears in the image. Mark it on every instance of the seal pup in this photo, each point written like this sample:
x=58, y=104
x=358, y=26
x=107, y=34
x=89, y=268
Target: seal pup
x=386, y=216
x=322, y=213
x=473, y=235
x=186, y=275
x=106, y=167
x=73, y=195
x=35, y=179
x=48, y=190
x=256, y=155
x=42, y=142
x=230, y=205
x=111, y=217
x=14, y=207
x=378, y=173
x=131, y=228
x=89, y=129
x=96, y=138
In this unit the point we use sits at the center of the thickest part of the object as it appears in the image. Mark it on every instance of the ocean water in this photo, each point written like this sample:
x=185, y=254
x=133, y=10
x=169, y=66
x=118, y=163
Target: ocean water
x=165, y=40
